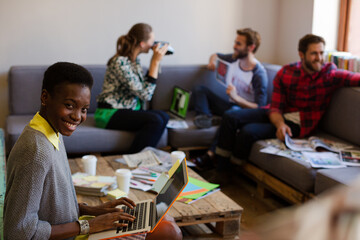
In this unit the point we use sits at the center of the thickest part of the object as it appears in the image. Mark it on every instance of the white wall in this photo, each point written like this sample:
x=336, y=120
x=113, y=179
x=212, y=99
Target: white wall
x=85, y=32
x=295, y=20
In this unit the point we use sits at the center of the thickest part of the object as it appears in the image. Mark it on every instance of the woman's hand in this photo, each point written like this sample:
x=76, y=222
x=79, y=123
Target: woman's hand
x=109, y=221
x=158, y=53
x=107, y=207
x=156, y=58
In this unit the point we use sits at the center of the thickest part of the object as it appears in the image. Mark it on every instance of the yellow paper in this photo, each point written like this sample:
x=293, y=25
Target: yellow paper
x=91, y=178
x=116, y=194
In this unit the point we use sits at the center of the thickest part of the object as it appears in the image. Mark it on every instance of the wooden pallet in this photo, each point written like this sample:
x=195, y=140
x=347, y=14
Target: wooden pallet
x=223, y=212
x=267, y=182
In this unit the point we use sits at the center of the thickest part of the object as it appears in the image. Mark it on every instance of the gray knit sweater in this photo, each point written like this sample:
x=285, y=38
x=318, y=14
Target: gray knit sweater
x=39, y=191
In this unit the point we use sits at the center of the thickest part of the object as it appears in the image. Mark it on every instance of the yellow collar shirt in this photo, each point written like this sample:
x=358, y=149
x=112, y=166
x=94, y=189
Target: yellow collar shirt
x=39, y=123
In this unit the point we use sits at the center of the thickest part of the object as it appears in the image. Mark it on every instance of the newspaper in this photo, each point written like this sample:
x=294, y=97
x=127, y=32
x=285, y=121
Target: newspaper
x=144, y=159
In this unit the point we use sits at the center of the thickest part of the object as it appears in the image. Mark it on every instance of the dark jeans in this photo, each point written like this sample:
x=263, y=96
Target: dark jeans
x=208, y=103
x=149, y=126
x=239, y=129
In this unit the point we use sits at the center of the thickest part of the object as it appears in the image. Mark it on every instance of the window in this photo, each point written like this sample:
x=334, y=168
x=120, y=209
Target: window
x=349, y=27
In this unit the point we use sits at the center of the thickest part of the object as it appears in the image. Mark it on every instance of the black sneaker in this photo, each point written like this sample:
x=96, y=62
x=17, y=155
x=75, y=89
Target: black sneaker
x=203, y=162
x=203, y=121
x=215, y=120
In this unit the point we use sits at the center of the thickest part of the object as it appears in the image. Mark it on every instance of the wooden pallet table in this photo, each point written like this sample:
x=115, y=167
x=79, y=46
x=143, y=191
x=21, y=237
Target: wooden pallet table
x=220, y=213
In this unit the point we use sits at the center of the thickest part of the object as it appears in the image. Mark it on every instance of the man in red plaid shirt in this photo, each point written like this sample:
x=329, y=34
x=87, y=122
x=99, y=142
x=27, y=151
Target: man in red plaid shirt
x=301, y=95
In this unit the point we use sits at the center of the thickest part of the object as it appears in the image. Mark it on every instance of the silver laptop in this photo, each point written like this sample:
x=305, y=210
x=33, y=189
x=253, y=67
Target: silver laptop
x=149, y=212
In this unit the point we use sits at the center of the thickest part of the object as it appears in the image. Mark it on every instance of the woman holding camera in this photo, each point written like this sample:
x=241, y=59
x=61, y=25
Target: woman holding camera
x=121, y=104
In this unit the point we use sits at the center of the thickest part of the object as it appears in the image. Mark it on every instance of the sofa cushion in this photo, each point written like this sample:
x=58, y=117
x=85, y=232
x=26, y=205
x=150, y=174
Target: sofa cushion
x=192, y=136
x=329, y=178
x=296, y=173
x=341, y=114
x=25, y=87
x=86, y=139
x=186, y=77
x=271, y=70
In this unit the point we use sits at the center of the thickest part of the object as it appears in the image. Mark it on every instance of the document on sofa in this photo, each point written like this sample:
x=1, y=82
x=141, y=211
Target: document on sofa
x=311, y=144
x=324, y=159
x=350, y=157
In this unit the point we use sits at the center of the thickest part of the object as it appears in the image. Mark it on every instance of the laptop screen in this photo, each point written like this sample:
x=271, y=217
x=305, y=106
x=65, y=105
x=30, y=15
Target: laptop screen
x=171, y=191
x=180, y=102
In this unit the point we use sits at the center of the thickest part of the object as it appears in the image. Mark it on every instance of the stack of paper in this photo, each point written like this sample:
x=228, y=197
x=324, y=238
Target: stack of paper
x=143, y=178
x=93, y=185
x=197, y=189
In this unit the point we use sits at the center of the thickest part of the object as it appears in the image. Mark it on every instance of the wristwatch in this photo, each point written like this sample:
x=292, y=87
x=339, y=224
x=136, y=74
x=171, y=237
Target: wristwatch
x=84, y=227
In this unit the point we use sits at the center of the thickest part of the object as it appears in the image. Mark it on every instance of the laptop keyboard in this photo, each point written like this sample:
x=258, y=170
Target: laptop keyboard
x=139, y=211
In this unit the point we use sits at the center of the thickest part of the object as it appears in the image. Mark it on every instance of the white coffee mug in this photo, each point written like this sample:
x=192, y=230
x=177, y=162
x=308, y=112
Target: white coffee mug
x=177, y=155
x=89, y=163
x=123, y=177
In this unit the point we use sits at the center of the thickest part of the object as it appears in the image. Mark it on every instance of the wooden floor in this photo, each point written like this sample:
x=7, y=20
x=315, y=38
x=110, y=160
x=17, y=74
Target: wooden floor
x=244, y=192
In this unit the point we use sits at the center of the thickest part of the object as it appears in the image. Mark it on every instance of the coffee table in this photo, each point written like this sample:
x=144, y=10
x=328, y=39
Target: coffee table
x=220, y=213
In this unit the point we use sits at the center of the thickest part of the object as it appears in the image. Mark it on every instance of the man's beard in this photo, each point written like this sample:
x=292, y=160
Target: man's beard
x=310, y=66
x=241, y=54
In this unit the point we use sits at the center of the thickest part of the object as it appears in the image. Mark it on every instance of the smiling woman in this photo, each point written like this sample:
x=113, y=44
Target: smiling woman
x=66, y=107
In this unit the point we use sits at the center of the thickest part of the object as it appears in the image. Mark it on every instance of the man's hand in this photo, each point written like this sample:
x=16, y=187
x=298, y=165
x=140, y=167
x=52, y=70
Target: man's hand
x=212, y=62
x=282, y=130
x=231, y=91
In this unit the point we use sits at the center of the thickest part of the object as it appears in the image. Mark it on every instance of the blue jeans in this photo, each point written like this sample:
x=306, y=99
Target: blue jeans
x=149, y=126
x=207, y=102
x=239, y=129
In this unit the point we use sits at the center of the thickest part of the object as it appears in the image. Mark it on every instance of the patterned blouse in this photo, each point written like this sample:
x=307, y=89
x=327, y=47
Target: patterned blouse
x=125, y=86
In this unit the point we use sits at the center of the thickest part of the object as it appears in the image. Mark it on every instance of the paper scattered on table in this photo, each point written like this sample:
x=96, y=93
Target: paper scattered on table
x=93, y=185
x=197, y=189
x=116, y=194
x=143, y=179
x=144, y=159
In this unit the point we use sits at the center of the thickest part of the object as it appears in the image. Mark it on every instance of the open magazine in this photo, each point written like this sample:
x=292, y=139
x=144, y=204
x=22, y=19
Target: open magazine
x=222, y=71
x=311, y=144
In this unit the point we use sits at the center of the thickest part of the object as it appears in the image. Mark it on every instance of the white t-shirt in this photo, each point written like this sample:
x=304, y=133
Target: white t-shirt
x=241, y=80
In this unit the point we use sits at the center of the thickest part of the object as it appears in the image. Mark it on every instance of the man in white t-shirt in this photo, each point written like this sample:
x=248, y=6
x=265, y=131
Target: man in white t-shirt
x=246, y=85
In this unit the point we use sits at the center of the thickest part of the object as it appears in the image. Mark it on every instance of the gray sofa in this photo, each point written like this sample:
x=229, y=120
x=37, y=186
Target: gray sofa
x=340, y=122
x=24, y=101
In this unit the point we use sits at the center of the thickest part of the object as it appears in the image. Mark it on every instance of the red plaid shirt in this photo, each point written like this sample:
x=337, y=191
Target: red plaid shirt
x=297, y=91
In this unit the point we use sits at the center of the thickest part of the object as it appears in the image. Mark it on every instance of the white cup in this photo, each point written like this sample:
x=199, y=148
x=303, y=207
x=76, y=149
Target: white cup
x=123, y=176
x=89, y=162
x=177, y=155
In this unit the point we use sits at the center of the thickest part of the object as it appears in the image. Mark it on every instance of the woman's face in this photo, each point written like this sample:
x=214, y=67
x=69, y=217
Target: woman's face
x=146, y=45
